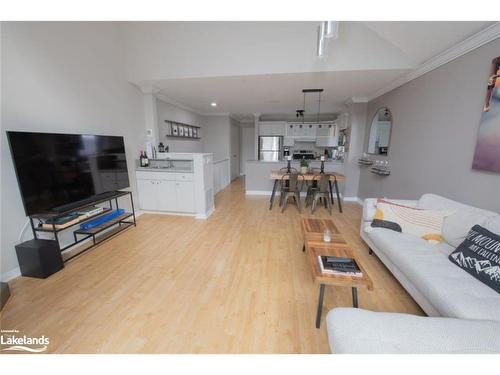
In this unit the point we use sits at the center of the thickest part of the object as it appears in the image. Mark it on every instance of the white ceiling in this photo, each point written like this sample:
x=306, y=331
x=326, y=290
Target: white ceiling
x=421, y=40
x=261, y=67
x=274, y=93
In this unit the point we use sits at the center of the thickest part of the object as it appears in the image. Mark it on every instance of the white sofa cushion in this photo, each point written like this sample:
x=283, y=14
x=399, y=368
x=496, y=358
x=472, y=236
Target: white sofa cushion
x=437, y=202
x=361, y=331
x=452, y=291
x=493, y=224
x=457, y=225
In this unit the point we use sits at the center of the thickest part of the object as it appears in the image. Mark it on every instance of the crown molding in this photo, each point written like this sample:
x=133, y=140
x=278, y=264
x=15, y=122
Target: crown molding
x=475, y=41
x=149, y=89
x=168, y=100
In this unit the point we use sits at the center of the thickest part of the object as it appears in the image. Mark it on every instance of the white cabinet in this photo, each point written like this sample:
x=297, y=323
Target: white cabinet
x=304, y=132
x=327, y=135
x=163, y=191
x=167, y=200
x=272, y=128
x=148, y=194
x=184, y=192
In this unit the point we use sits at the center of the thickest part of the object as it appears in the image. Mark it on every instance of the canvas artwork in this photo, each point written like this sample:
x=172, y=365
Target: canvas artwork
x=487, y=155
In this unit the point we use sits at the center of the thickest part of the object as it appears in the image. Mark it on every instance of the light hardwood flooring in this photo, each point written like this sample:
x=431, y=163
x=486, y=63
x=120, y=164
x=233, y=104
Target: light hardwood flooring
x=235, y=283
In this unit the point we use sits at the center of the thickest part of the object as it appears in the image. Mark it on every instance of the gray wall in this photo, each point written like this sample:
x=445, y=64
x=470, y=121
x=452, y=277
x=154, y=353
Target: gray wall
x=436, y=122
x=216, y=136
x=167, y=111
x=61, y=77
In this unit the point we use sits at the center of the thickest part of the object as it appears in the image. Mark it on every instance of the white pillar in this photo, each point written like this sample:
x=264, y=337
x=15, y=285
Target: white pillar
x=356, y=108
x=150, y=115
x=256, y=117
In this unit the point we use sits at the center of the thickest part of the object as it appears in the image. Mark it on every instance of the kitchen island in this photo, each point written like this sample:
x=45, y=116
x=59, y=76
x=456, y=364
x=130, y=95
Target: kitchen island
x=258, y=173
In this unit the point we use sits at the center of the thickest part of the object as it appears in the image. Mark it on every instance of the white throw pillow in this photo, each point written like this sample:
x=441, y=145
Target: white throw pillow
x=457, y=225
x=493, y=224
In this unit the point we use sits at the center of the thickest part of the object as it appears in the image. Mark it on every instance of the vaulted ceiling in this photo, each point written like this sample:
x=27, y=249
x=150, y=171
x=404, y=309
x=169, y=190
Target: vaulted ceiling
x=249, y=67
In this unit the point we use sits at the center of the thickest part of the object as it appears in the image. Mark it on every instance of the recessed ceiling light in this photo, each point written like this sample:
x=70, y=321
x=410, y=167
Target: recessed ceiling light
x=213, y=104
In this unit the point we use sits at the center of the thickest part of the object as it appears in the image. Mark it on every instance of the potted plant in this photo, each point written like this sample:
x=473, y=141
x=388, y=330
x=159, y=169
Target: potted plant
x=304, y=166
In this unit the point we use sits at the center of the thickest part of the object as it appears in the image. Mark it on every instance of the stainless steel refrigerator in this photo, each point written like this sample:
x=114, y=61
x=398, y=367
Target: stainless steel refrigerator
x=270, y=148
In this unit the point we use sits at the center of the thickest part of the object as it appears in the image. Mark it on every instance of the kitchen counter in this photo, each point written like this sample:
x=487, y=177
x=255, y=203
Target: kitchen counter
x=258, y=173
x=312, y=161
x=170, y=170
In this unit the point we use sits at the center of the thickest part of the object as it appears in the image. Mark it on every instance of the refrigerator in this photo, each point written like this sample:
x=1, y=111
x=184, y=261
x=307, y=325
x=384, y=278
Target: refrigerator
x=270, y=148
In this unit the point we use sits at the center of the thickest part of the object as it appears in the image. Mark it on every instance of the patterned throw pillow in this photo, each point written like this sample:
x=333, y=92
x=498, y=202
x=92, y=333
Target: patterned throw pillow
x=479, y=255
x=426, y=224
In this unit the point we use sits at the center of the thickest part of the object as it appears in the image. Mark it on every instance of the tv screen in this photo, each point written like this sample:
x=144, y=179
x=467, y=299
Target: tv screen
x=55, y=170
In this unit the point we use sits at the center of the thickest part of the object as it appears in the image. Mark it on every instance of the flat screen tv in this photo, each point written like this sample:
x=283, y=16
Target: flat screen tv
x=56, y=172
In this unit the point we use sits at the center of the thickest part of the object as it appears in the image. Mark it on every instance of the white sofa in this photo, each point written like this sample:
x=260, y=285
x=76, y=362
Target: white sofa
x=440, y=287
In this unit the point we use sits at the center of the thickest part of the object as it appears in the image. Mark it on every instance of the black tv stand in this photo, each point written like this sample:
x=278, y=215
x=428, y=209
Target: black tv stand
x=83, y=202
x=96, y=234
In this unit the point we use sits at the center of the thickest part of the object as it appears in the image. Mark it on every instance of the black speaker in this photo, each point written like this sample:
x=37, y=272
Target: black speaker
x=39, y=258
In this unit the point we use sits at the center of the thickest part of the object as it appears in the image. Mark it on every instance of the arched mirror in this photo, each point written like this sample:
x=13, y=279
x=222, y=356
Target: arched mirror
x=380, y=132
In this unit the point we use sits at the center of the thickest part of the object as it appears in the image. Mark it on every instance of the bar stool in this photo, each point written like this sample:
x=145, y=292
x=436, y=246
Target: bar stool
x=291, y=187
x=322, y=192
x=312, y=187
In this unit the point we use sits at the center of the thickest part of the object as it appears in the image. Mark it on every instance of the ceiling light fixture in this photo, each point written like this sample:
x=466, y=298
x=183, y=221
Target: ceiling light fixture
x=213, y=104
x=326, y=30
x=331, y=29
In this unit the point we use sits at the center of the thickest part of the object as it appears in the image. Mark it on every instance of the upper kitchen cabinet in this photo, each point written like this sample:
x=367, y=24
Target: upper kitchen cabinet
x=327, y=135
x=304, y=132
x=289, y=139
x=273, y=128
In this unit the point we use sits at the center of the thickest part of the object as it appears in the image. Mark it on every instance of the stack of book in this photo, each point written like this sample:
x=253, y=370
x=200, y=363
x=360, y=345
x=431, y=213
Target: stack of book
x=339, y=266
x=62, y=222
x=73, y=218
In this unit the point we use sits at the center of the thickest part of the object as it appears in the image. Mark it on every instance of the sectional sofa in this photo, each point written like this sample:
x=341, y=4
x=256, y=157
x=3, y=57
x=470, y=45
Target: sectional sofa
x=464, y=313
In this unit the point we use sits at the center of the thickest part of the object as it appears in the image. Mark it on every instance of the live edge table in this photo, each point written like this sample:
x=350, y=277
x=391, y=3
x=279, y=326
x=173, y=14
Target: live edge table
x=313, y=230
x=310, y=176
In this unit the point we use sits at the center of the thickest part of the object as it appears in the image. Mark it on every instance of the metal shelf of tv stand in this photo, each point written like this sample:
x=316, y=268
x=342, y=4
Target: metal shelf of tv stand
x=53, y=215
x=93, y=232
x=109, y=198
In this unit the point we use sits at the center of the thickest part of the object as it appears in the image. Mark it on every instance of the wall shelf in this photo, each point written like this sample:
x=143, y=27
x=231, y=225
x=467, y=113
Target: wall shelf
x=180, y=130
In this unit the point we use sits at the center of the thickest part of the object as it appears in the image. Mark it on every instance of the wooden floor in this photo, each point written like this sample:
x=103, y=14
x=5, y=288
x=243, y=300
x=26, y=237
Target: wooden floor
x=235, y=283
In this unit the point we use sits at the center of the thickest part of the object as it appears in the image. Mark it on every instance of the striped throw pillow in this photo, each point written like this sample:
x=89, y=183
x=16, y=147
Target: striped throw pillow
x=426, y=224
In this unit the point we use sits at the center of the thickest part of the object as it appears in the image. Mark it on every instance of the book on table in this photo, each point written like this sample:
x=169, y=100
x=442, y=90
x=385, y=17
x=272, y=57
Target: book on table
x=330, y=265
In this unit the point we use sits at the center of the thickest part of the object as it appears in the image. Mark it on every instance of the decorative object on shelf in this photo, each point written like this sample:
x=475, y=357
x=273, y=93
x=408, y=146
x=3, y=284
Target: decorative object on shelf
x=288, y=164
x=486, y=156
x=365, y=160
x=322, y=169
x=381, y=168
x=304, y=166
x=179, y=130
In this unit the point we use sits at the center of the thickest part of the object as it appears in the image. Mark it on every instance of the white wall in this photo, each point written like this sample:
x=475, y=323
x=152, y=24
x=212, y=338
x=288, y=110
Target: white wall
x=247, y=143
x=61, y=77
x=167, y=111
x=234, y=148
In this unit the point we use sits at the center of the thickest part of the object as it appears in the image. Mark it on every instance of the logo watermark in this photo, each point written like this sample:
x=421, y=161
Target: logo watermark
x=11, y=340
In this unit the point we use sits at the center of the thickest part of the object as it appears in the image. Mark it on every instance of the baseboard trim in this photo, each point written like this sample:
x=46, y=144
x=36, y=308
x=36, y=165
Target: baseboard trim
x=12, y=274
x=353, y=199
x=302, y=194
x=206, y=215
x=258, y=192
x=166, y=213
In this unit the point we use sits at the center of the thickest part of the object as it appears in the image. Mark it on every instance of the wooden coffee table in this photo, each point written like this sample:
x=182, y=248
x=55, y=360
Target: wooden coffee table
x=313, y=242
